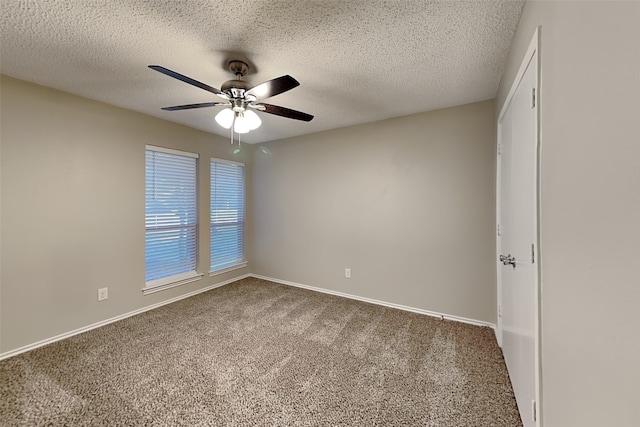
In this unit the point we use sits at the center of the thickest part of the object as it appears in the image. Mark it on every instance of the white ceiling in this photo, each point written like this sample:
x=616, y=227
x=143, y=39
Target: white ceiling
x=358, y=61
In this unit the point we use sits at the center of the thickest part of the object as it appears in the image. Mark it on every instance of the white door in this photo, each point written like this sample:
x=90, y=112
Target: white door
x=518, y=241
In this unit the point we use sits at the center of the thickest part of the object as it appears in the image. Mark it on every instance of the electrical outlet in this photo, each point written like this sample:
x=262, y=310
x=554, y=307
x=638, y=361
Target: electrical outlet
x=103, y=294
x=347, y=273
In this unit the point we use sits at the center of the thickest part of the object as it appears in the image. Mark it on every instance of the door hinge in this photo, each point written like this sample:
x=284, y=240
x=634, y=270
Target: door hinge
x=499, y=311
x=533, y=97
x=533, y=253
x=499, y=232
x=499, y=149
x=534, y=411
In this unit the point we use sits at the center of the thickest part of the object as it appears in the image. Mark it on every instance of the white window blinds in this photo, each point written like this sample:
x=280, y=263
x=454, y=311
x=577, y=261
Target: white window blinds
x=227, y=214
x=170, y=216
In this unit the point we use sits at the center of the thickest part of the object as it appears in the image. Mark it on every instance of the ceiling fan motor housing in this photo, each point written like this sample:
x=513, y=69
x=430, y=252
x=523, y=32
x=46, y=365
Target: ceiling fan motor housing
x=235, y=88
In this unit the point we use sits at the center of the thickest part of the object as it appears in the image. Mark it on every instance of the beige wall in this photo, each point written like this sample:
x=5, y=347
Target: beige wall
x=73, y=210
x=406, y=203
x=590, y=208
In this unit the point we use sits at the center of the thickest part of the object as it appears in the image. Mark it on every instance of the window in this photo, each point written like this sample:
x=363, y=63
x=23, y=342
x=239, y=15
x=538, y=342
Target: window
x=171, y=220
x=227, y=215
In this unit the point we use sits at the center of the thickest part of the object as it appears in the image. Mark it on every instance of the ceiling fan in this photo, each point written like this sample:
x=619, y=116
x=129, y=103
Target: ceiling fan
x=241, y=98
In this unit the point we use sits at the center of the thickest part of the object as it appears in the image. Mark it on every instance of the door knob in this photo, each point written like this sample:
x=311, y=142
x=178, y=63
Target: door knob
x=508, y=260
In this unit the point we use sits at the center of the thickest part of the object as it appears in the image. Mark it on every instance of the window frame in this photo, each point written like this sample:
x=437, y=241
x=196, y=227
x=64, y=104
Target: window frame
x=167, y=282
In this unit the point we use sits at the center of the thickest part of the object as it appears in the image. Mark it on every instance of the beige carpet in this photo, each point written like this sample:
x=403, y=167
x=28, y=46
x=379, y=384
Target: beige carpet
x=256, y=353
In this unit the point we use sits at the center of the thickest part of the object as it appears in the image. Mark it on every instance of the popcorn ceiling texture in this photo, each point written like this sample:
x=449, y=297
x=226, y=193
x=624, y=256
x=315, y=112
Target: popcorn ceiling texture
x=256, y=353
x=357, y=61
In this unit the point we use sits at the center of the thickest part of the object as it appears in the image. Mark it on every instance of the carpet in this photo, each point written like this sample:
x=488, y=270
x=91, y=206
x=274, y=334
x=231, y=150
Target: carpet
x=257, y=353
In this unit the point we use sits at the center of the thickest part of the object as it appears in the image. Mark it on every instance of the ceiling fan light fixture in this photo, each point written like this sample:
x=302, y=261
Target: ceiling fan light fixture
x=239, y=95
x=225, y=118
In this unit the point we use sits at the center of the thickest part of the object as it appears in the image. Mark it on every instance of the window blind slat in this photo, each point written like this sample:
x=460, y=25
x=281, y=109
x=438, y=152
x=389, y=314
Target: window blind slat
x=227, y=214
x=170, y=214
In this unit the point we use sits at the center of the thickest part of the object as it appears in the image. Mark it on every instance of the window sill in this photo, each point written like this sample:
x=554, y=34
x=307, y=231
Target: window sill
x=170, y=282
x=243, y=264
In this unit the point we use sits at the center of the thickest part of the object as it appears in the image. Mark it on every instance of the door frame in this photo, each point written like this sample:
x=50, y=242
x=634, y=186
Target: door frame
x=532, y=50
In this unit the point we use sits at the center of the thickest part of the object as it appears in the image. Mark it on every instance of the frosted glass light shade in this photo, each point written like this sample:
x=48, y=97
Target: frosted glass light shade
x=252, y=120
x=225, y=118
x=241, y=125
x=244, y=121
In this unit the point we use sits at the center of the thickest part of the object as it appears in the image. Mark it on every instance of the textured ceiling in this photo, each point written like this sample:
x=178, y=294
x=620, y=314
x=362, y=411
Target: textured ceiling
x=357, y=61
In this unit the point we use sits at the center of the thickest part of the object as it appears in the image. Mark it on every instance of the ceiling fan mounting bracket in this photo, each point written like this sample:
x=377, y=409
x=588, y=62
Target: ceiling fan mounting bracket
x=238, y=68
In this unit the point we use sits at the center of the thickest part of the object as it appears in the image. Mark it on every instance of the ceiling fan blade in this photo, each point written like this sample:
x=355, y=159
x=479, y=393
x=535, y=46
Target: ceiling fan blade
x=189, y=80
x=284, y=112
x=273, y=87
x=191, y=106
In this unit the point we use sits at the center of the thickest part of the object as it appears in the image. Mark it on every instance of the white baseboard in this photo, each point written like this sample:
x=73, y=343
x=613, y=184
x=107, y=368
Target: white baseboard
x=46, y=341
x=383, y=303
x=69, y=334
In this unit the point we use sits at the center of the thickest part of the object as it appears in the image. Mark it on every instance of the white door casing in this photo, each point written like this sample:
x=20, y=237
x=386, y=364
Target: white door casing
x=517, y=224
